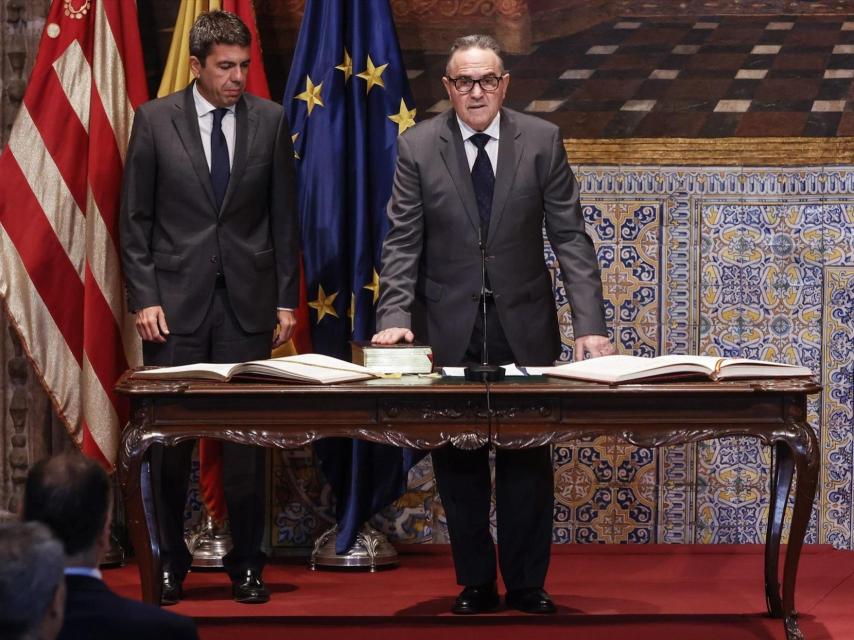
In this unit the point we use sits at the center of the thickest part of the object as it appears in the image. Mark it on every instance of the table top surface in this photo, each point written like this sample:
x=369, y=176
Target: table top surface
x=416, y=384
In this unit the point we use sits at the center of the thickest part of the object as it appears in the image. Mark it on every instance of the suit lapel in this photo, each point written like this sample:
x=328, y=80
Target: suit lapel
x=186, y=122
x=454, y=156
x=247, y=126
x=509, y=155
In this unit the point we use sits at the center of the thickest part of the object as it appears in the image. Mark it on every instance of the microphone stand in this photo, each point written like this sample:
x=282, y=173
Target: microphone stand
x=483, y=372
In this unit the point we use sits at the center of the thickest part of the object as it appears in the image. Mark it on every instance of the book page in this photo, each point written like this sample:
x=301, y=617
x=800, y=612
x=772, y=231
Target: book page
x=747, y=368
x=208, y=370
x=729, y=362
x=619, y=365
x=621, y=368
x=312, y=367
x=320, y=360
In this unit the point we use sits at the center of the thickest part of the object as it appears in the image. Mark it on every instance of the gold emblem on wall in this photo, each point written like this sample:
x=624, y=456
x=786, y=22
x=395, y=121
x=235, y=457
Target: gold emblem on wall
x=77, y=8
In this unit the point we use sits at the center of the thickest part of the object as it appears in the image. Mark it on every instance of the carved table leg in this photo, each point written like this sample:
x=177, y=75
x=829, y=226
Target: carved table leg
x=804, y=450
x=135, y=476
x=781, y=484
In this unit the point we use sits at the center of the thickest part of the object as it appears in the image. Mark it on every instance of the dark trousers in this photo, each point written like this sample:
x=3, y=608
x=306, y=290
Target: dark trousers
x=524, y=496
x=218, y=339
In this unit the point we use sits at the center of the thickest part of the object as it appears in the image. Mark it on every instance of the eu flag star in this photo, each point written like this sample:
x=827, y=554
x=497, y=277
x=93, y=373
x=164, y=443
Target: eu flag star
x=311, y=95
x=346, y=66
x=323, y=304
x=404, y=118
x=373, y=75
x=374, y=286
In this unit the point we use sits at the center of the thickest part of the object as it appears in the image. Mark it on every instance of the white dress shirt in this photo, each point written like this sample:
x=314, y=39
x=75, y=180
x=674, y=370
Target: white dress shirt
x=89, y=572
x=491, y=147
x=205, y=111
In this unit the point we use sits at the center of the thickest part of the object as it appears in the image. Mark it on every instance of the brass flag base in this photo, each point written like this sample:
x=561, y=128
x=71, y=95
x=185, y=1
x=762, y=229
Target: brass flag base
x=370, y=551
x=208, y=543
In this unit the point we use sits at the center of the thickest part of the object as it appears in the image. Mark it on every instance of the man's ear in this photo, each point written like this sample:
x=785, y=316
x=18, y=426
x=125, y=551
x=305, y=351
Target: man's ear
x=195, y=66
x=53, y=617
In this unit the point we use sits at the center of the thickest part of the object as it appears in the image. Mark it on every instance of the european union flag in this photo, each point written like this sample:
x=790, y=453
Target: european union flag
x=347, y=99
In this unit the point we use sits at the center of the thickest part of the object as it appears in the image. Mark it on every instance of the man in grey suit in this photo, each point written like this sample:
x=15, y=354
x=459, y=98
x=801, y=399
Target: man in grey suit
x=209, y=248
x=481, y=175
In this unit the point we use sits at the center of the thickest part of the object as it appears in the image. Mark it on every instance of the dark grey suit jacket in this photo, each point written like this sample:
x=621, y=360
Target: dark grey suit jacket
x=431, y=274
x=173, y=238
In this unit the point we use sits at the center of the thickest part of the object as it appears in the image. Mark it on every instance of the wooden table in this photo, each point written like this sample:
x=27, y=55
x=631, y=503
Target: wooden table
x=425, y=413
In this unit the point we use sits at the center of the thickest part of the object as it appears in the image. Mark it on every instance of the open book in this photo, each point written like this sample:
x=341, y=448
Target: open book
x=617, y=369
x=305, y=367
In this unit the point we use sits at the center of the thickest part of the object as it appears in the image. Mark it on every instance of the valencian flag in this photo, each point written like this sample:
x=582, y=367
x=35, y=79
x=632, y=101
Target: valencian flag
x=176, y=76
x=60, y=272
x=347, y=99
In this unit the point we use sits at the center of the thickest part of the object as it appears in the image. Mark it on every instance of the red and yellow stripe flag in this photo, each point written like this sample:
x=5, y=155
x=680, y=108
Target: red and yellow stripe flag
x=60, y=272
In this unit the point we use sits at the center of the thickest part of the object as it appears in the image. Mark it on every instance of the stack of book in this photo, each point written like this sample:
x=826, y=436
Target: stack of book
x=403, y=357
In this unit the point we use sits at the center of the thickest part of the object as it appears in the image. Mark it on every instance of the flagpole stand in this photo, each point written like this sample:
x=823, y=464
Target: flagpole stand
x=370, y=551
x=208, y=543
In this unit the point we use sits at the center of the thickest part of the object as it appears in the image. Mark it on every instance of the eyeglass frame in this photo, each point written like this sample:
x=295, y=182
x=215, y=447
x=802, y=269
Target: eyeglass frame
x=477, y=82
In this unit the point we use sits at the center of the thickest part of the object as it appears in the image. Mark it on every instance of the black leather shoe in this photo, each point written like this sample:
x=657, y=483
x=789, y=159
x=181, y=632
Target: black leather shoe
x=171, y=590
x=534, y=600
x=250, y=589
x=482, y=599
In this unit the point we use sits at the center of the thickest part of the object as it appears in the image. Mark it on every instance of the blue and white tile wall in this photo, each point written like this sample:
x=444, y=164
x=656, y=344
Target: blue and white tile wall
x=755, y=262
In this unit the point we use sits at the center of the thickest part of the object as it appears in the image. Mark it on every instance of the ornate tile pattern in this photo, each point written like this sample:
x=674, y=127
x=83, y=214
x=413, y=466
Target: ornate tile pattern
x=605, y=491
x=627, y=237
x=837, y=430
x=756, y=262
x=302, y=506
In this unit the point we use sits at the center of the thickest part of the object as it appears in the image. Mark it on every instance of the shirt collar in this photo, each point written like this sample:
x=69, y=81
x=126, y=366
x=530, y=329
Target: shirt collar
x=90, y=572
x=203, y=107
x=492, y=130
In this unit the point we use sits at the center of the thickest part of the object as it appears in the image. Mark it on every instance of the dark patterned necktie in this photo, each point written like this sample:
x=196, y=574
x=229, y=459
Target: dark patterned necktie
x=483, y=179
x=220, y=170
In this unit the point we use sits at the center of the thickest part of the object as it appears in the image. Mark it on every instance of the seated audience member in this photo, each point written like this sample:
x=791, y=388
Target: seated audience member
x=32, y=592
x=73, y=496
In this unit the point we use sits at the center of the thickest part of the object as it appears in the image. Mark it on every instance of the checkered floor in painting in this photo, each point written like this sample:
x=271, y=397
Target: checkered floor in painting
x=716, y=76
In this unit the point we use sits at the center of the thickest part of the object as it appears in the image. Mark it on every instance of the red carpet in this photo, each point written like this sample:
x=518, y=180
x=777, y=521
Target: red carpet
x=660, y=591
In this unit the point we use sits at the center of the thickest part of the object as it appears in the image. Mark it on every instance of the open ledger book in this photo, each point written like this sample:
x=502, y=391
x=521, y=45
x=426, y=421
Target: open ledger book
x=617, y=369
x=305, y=367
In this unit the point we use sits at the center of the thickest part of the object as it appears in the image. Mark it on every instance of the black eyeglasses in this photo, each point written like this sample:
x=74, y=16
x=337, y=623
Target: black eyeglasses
x=464, y=84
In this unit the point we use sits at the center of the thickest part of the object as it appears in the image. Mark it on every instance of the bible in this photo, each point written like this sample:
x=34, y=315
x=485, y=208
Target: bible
x=403, y=357
x=305, y=367
x=619, y=369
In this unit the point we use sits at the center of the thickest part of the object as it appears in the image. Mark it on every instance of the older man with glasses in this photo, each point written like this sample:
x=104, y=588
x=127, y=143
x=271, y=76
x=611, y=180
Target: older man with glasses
x=474, y=186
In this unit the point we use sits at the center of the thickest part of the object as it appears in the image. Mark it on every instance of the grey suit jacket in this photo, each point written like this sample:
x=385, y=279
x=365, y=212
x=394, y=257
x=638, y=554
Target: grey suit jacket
x=431, y=273
x=173, y=238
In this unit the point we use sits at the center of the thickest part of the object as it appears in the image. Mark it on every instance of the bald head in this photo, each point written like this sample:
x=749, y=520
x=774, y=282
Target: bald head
x=71, y=494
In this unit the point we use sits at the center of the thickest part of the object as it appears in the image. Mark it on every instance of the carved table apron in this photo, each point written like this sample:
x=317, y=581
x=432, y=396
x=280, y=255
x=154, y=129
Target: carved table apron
x=425, y=413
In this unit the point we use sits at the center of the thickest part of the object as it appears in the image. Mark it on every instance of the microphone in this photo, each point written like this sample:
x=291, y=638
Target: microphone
x=483, y=372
